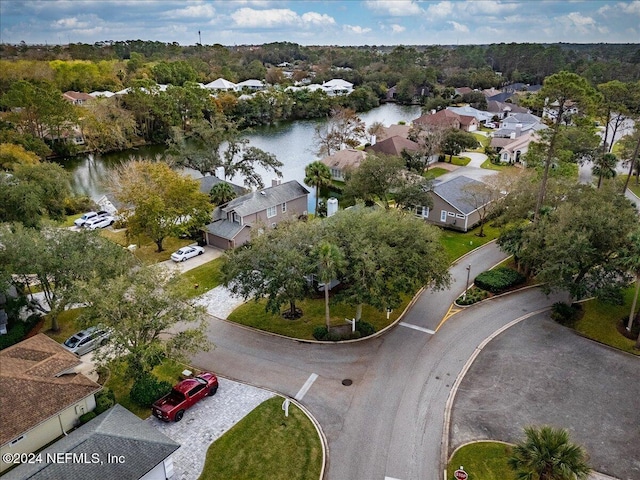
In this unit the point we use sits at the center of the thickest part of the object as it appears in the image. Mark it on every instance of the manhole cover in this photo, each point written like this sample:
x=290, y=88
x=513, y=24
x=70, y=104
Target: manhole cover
x=347, y=381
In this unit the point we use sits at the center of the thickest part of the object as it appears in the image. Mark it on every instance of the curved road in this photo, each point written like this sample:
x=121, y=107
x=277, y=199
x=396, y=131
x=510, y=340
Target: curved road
x=389, y=422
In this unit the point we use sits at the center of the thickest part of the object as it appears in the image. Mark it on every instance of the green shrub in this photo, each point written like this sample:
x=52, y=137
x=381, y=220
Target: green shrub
x=498, y=279
x=365, y=328
x=565, y=314
x=147, y=389
x=86, y=417
x=79, y=204
x=105, y=399
x=18, y=331
x=321, y=334
x=473, y=295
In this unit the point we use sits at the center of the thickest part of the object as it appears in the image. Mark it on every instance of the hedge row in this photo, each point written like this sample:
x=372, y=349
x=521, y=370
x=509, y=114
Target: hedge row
x=499, y=279
x=363, y=329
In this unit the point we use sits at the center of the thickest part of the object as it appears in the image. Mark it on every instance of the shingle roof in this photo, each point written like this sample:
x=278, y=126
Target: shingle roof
x=394, y=130
x=262, y=199
x=32, y=367
x=117, y=432
x=224, y=228
x=452, y=192
x=206, y=183
x=394, y=146
x=442, y=118
x=346, y=158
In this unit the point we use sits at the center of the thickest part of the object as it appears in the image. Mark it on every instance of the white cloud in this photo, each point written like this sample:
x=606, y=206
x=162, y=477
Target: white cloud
x=356, y=29
x=395, y=28
x=70, y=23
x=493, y=7
x=394, y=8
x=458, y=27
x=633, y=8
x=580, y=22
x=440, y=10
x=203, y=10
x=315, y=18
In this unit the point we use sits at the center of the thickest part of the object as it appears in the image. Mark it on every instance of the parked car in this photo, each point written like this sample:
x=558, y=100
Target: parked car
x=79, y=222
x=490, y=125
x=99, y=222
x=186, y=253
x=185, y=395
x=86, y=340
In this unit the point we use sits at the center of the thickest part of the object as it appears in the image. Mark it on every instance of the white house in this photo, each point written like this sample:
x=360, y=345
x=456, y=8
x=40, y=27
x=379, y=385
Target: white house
x=251, y=84
x=221, y=84
x=337, y=86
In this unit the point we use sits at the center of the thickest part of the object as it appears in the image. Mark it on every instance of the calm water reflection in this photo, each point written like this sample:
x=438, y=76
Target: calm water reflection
x=290, y=142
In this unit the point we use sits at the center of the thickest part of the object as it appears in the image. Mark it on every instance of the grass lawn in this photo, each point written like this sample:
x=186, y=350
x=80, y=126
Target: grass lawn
x=457, y=244
x=600, y=320
x=67, y=324
x=484, y=141
x=482, y=461
x=267, y=445
x=492, y=166
x=435, y=172
x=460, y=161
x=146, y=251
x=253, y=315
x=206, y=276
x=68, y=222
x=121, y=384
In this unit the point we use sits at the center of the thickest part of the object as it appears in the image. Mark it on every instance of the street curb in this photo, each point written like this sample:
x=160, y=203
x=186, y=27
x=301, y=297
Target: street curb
x=449, y=405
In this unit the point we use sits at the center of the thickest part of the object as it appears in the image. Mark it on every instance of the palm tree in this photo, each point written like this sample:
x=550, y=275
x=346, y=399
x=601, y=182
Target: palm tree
x=317, y=175
x=547, y=454
x=330, y=261
x=221, y=193
x=605, y=167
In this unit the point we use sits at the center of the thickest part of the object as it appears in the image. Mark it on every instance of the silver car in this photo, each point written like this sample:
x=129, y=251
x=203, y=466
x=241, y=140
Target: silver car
x=86, y=340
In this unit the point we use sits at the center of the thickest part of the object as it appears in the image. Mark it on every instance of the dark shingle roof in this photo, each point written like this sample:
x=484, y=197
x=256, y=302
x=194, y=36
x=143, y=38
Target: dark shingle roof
x=206, y=183
x=262, y=199
x=452, y=192
x=117, y=432
x=394, y=146
x=225, y=229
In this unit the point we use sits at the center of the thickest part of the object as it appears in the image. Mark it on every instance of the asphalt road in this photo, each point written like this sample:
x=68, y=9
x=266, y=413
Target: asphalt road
x=389, y=421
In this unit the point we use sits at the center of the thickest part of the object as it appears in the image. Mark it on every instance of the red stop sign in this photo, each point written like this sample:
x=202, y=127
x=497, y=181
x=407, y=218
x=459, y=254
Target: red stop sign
x=460, y=475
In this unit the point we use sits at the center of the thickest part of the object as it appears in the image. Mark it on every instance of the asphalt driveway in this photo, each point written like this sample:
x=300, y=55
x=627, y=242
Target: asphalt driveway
x=538, y=372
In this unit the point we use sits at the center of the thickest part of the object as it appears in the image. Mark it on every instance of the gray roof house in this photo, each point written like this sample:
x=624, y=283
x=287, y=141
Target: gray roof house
x=209, y=181
x=452, y=207
x=233, y=221
x=518, y=124
x=140, y=452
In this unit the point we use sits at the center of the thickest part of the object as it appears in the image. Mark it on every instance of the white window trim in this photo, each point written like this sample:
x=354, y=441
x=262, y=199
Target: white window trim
x=272, y=211
x=443, y=215
x=284, y=207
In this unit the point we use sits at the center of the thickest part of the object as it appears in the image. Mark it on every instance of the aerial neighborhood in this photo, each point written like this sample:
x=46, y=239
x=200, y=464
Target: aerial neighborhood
x=282, y=261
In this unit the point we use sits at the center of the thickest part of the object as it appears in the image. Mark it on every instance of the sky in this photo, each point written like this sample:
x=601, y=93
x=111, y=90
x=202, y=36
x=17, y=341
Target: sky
x=353, y=22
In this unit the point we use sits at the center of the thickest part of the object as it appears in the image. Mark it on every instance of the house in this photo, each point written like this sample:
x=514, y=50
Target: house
x=221, y=85
x=337, y=86
x=140, y=451
x=490, y=92
x=480, y=115
x=77, y=98
x=517, y=124
x=503, y=109
x=512, y=151
x=452, y=206
x=448, y=119
x=463, y=90
x=209, y=181
x=251, y=84
x=342, y=161
x=394, y=146
x=233, y=221
x=392, y=131
x=102, y=93
x=41, y=397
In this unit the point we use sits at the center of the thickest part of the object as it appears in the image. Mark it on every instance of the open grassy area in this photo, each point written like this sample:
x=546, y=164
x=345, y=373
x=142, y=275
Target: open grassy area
x=457, y=244
x=146, y=251
x=121, y=384
x=484, y=141
x=459, y=161
x=482, y=461
x=267, y=445
x=67, y=324
x=487, y=164
x=600, y=320
x=435, y=172
x=68, y=221
x=253, y=315
x=206, y=276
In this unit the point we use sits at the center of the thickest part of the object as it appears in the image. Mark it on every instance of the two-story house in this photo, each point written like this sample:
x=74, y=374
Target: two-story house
x=233, y=222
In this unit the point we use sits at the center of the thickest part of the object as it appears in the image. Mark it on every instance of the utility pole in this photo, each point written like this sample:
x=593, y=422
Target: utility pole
x=466, y=287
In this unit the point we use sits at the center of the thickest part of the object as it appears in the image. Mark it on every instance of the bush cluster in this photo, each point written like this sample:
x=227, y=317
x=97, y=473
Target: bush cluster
x=18, y=331
x=565, y=314
x=147, y=389
x=474, y=295
x=363, y=329
x=84, y=418
x=499, y=279
x=105, y=399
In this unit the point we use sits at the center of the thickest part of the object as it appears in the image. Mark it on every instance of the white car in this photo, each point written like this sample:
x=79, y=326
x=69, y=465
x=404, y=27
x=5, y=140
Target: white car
x=490, y=125
x=99, y=222
x=186, y=253
x=79, y=222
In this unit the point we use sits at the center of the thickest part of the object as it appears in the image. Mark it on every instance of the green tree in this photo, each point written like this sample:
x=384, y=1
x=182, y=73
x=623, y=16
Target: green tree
x=12, y=154
x=107, y=126
x=221, y=193
x=330, y=262
x=455, y=141
x=343, y=129
x=160, y=202
x=630, y=259
x=154, y=319
x=605, y=167
x=59, y=259
x=375, y=178
x=548, y=454
x=317, y=175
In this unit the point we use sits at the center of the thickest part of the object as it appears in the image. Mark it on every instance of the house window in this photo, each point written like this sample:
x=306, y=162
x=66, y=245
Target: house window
x=284, y=207
x=272, y=212
x=451, y=214
x=236, y=217
x=443, y=215
x=459, y=215
x=422, y=211
x=19, y=439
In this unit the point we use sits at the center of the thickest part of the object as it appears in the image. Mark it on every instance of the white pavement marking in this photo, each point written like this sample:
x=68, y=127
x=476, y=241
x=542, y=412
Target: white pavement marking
x=391, y=478
x=415, y=327
x=305, y=388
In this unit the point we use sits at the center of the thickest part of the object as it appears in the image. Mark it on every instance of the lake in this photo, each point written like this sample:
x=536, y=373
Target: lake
x=290, y=142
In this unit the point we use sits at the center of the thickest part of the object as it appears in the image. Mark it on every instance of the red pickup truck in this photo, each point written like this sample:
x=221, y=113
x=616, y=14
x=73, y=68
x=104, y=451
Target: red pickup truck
x=184, y=395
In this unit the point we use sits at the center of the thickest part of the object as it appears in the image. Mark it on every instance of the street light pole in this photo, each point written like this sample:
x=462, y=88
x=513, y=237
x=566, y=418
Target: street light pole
x=466, y=287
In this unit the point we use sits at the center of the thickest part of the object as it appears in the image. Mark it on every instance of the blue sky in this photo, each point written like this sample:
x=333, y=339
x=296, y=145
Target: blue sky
x=354, y=22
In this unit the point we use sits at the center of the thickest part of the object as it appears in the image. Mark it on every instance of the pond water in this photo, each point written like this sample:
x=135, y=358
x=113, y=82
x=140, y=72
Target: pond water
x=290, y=142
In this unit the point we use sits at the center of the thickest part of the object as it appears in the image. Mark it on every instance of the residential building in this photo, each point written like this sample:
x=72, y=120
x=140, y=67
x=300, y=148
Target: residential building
x=337, y=86
x=137, y=451
x=463, y=90
x=393, y=146
x=480, y=115
x=41, y=396
x=517, y=124
x=77, y=98
x=209, y=181
x=513, y=151
x=448, y=119
x=234, y=221
x=392, y=131
x=103, y=93
x=343, y=161
x=221, y=85
x=251, y=84
x=504, y=109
